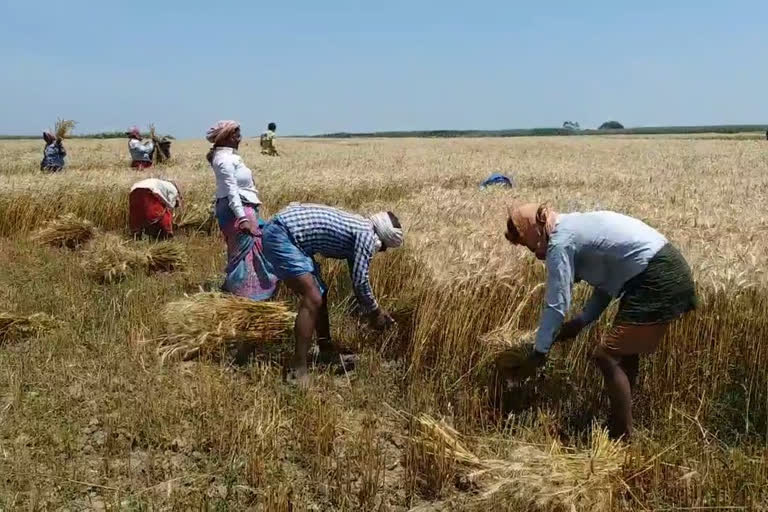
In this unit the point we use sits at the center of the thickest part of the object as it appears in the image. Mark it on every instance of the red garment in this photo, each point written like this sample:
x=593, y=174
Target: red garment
x=138, y=164
x=149, y=214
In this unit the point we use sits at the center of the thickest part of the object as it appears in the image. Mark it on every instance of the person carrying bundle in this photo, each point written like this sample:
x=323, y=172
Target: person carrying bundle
x=237, y=210
x=141, y=151
x=151, y=204
x=268, y=141
x=291, y=240
x=620, y=257
x=53, y=154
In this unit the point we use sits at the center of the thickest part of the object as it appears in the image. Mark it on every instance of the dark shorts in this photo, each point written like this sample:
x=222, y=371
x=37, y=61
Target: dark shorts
x=661, y=293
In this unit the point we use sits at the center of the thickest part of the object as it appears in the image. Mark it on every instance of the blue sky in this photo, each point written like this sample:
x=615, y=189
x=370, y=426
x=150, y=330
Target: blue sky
x=317, y=67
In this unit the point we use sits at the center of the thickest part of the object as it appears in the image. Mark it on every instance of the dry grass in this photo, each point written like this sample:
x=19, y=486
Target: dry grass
x=66, y=231
x=551, y=479
x=204, y=324
x=89, y=418
x=19, y=327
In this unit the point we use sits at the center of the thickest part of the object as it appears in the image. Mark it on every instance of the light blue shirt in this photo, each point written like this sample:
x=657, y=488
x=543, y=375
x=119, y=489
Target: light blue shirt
x=606, y=250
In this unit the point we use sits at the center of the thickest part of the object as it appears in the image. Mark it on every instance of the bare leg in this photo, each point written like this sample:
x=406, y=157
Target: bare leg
x=618, y=360
x=306, y=320
x=631, y=366
x=324, y=326
x=619, y=392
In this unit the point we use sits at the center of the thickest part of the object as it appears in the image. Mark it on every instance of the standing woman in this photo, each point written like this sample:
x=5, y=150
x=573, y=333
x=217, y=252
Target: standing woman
x=141, y=152
x=237, y=210
x=53, y=154
x=621, y=257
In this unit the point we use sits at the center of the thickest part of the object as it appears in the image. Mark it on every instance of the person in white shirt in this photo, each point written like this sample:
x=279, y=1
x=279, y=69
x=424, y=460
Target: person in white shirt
x=141, y=151
x=151, y=203
x=237, y=209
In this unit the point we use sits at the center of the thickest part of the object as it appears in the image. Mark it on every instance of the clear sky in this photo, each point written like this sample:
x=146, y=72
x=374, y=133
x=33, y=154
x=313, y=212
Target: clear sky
x=324, y=66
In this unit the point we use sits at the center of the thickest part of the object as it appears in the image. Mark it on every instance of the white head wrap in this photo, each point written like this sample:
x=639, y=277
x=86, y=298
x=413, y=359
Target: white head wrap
x=390, y=236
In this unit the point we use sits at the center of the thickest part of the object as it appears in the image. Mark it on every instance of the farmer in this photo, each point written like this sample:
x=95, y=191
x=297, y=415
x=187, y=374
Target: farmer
x=151, y=204
x=237, y=210
x=268, y=141
x=291, y=240
x=141, y=152
x=620, y=257
x=53, y=154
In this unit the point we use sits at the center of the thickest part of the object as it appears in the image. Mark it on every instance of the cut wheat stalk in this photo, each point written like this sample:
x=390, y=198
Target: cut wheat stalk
x=18, y=327
x=552, y=479
x=63, y=128
x=197, y=216
x=66, y=231
x=158, y=155
x=166, y=257
x=110, y=259
x=204, y=324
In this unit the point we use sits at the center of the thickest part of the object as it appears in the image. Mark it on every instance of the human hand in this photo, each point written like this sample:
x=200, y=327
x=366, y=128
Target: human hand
x=245, y=226
x=570, y=329
x=380, y=320
x=528, y=369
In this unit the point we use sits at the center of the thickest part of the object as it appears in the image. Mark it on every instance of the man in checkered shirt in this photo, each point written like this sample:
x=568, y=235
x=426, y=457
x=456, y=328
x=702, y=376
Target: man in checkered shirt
x=293, y=237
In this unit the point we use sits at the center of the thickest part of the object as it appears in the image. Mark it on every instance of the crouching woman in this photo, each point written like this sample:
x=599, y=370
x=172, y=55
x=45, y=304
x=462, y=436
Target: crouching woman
x=151, y=205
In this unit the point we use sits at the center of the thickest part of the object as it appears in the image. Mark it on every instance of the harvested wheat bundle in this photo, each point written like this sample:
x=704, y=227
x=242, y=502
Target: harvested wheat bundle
x=18, y=327
x=162, y=152
x=197, y=216
x=66, y=231
x=205, y=323
x=63, y=128
x=508, y=347
x=109, y=259
x=166, y=257
x=553, y=479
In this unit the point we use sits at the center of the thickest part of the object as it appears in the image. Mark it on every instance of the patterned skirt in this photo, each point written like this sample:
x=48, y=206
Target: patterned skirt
x=248, y=274
x=661, y=293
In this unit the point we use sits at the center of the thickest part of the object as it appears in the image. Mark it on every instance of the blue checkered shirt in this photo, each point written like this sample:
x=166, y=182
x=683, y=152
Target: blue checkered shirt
x=337, y=234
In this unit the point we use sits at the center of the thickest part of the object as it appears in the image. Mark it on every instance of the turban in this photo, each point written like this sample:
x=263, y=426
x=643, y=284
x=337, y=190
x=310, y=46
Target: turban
x=390, y=236
x=530, y=224
x=221, y=131
x=48, y=137
x=134, y=132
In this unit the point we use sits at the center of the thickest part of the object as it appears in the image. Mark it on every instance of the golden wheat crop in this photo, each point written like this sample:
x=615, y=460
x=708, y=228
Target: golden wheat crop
x=88, y=419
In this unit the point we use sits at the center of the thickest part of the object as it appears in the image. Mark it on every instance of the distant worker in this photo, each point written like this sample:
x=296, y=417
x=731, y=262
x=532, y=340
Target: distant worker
x=237, y=210
x=268, y=141
x=141, y=151
x=620, y=257
x=53, y=154
x=151, y=204
x=299, y=232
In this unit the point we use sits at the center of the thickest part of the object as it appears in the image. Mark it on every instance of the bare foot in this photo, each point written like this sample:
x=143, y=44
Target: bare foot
x=298, y=376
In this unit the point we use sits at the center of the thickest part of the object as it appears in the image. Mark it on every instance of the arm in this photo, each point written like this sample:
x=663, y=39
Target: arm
x=359, y=266
x=557, y=298
x=594, y=306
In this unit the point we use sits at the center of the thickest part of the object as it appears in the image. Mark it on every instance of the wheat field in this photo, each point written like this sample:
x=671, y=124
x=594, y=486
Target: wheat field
x=90, y=419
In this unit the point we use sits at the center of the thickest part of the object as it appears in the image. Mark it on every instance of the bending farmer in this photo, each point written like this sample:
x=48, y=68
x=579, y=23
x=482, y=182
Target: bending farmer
x=291, y=240
x=620, y=257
